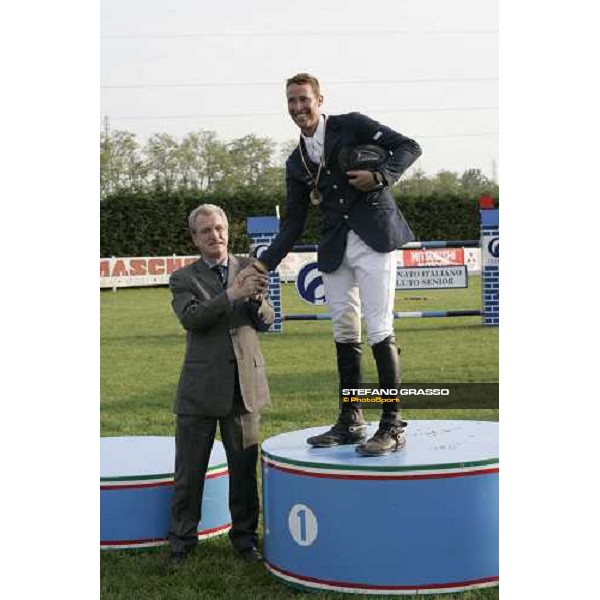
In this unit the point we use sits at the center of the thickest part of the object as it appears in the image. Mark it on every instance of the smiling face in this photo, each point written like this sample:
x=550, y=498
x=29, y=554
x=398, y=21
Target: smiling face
x=211, y=237
x=304, y=106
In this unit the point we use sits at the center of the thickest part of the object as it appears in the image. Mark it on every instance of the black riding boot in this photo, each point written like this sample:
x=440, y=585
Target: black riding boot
x=350, y=427
x=389, y=437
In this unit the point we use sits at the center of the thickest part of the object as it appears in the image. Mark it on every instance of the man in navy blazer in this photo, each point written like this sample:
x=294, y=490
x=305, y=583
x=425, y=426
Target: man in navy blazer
x=361, y=229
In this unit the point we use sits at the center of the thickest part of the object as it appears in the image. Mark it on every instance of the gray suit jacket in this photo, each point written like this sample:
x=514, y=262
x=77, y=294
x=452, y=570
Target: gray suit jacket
x=221, y=340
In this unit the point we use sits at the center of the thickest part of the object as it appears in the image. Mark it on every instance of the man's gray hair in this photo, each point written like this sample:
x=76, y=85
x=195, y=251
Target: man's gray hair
x=205, y=209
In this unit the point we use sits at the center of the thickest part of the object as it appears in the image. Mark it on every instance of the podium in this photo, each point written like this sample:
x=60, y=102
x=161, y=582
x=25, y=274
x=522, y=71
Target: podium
x=136, y=486
x=419, y=521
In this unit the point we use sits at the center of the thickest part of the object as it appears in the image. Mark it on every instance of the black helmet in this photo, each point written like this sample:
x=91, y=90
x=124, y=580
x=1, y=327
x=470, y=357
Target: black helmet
x=367, y=157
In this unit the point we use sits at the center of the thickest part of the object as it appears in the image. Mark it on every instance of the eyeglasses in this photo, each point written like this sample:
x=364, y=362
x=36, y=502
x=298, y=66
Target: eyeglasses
x=209, y=230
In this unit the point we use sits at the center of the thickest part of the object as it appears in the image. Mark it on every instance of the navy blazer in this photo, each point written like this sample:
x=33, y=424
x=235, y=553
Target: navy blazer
x=374, y=216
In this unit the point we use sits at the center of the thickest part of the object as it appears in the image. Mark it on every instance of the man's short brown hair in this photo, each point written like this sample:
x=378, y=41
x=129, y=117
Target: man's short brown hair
x=303, y=78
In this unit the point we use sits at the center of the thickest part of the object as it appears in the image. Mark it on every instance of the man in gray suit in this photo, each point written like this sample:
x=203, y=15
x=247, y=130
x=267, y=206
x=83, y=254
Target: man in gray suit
x=221, y=305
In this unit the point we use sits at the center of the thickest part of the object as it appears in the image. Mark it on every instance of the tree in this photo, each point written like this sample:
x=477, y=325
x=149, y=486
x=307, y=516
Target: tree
x=204, y=160
x=272, y=180
x=215, y=159
x=249, y=157
x=121, y=166
x=286, y=148
x=475, y=182
x=447, y=182
x=417, y=184
x=190, y=161
x=163, y=161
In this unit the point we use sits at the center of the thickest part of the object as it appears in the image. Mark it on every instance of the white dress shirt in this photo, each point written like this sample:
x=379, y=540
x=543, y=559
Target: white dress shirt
x=316, y=143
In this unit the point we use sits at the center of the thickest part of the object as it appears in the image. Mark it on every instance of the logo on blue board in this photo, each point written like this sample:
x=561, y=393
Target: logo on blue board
x=494, y=247
x=309, y=284
x=257, y=249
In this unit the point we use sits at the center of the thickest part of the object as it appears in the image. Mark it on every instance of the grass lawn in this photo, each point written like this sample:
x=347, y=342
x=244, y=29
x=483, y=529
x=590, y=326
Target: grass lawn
x=142, y=348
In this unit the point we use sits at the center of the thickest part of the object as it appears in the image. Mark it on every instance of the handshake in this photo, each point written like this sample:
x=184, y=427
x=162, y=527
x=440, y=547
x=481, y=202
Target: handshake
x=251, y=282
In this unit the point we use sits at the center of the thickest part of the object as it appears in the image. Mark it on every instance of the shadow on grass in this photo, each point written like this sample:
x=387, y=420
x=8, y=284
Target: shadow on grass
x=213, y=571
x=404, y=326
x=175, y=339
x=310, y=329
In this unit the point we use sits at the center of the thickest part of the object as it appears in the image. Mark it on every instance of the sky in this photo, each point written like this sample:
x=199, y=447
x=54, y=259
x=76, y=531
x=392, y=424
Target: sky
x=426, y=68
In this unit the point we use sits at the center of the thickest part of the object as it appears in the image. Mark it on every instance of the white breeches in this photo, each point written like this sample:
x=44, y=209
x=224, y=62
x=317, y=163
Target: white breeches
x=365, y=278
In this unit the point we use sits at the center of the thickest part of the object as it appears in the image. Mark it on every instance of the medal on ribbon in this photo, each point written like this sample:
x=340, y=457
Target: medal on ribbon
x=316, y=197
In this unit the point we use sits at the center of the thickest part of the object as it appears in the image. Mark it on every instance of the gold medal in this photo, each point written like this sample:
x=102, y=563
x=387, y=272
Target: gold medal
x=316, y=197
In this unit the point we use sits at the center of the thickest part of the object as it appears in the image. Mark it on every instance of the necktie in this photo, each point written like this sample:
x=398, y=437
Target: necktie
x=219, y=271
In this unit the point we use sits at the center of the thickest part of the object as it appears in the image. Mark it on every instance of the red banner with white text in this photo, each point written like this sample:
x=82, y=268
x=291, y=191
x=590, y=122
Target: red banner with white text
x=140, y=270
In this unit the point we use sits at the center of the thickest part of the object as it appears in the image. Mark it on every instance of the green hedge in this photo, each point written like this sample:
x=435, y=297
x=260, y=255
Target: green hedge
x=155, y=223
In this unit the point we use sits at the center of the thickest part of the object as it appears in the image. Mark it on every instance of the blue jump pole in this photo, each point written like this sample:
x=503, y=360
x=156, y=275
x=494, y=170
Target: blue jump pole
x=421, y=314
x=410, y=245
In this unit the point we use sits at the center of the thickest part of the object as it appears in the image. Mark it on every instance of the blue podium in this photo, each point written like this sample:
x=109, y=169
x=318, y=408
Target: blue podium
x=136, y=486
x=420, y=521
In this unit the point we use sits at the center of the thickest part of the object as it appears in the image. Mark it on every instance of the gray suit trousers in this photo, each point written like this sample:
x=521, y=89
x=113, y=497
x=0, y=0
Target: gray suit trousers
x=194, y=439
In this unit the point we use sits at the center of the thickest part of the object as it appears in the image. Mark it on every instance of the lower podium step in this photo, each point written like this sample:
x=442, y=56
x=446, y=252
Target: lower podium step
x=136, y=486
